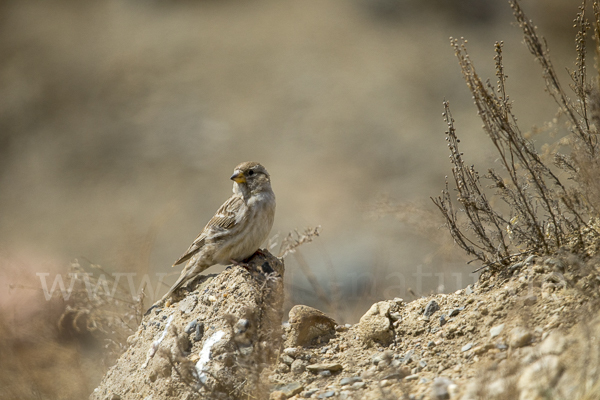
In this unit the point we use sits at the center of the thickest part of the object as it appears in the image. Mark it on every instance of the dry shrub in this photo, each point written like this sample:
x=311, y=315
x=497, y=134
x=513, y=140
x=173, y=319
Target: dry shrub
x=545, y=213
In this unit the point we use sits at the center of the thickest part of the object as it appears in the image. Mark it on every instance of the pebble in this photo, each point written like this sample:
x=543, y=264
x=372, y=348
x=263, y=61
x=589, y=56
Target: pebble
x=290, y=389
x=287, y=359
x=325, y=395
x=307, y=394
x=325, y=374
x=199, y=332
x=443, y=320
x=520, y=337
x=292, y=352
x=189, y=328
x=331, y=367
x=308, y=324
x=496, y=330
x=277, y=395
x=358, y=385
x=375, y=326
x=298, y=367
x=466, y=347
x=188, y=304
x=455, y=311
x=431, y=308
x=469, y=290
x=412, y=377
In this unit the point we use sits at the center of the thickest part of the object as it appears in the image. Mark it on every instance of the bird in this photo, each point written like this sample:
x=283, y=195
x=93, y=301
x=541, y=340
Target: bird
x=237, y=229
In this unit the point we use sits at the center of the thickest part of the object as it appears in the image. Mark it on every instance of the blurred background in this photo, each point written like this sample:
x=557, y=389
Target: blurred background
x=122, y=120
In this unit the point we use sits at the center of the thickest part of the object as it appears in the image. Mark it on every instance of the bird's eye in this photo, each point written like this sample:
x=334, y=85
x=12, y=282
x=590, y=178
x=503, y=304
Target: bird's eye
x=251, y=172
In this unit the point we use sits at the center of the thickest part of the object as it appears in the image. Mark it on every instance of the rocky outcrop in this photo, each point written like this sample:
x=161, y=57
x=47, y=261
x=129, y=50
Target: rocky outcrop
x=216, y=340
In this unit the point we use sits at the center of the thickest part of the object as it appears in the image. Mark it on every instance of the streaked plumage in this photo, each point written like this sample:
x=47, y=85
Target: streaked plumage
x=238, y=227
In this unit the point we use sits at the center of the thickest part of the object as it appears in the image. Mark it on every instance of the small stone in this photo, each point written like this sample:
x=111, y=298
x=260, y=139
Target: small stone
x=189, y=328
x=277, y=395
x=298, y=367
x=413, y=377
x=188, y=304
x=325, y=395
x=469, y=290
x=519, y=337
x=307, y=394
x=431, y=344
x=308, y=325
x=375, y=325
x=346, y=381
x=287, y=359
x=290, y=389
x=431, y=308
x=292, y=352
x=396, y=316
x=331, y=367
x=325, y=374
x=454, y=312
x=496, y=330
x=466, y=347
x=443, y=320
x=385, y=357
x=358, y=385
x=199, y=332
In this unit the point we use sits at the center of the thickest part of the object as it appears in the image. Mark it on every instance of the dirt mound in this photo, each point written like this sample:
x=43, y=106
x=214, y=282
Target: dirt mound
x=528, y=334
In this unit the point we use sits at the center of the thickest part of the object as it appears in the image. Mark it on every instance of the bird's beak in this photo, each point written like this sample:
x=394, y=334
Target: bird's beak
x=238, y=177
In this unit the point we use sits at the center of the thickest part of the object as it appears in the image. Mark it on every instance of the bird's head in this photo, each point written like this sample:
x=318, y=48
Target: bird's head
x=252, y=176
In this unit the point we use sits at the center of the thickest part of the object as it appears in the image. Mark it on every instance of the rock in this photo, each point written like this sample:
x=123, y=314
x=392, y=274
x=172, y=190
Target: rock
x=384, y=357
x=412, y=377
x=443, y=320
x=358, y=385
x=216, y=359
x=188, y=304
x=331, y=367
x=290, y=389
x=349, y=381
x=309, y=325
x=440, y=388
x=277, y=395
x=469, y=290
x=466, y=347
x=431, y=308
x=496, y=330
x=199, y=331
x=189, y=328
x=455, y=312
x=519, y=337
x=298, y=367
x=375, y=325
x=292, y=352
x=307, y=394
x=327, y=394
x=287, y=359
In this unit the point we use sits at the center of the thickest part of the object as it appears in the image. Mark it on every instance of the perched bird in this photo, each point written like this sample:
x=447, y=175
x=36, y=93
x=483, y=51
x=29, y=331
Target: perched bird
x=237, y=229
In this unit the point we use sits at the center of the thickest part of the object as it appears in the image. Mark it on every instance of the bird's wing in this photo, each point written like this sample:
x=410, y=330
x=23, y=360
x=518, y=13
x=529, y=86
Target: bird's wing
x=226, y=217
